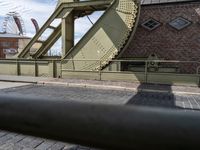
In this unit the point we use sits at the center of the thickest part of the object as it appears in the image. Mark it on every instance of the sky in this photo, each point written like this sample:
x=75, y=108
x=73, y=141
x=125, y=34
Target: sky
x=41, y=10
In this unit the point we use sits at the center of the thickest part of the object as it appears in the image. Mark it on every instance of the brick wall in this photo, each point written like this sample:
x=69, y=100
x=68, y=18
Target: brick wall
x=166, y=42
x=7, y=43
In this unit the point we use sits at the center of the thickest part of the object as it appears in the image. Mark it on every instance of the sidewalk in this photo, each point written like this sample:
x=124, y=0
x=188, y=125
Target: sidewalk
x=136, y=87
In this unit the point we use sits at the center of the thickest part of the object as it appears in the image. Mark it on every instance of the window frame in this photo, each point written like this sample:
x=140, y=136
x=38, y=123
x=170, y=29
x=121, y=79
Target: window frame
x=149, y=28
x=188, y=23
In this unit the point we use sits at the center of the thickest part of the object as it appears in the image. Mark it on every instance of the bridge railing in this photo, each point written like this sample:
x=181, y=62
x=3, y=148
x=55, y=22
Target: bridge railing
x=30, y=67
x=149, y=71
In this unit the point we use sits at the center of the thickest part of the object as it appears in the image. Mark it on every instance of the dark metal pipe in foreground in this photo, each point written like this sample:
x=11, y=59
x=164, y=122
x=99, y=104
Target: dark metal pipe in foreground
x=104, y=126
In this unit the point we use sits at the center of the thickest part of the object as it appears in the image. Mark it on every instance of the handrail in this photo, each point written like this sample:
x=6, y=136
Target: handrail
x=198, y=73
x=63, y=60
x=145, y=61
x=26, y=60
x=101, y=126
x=142, y=60
x=198, y=70
x=167, y=61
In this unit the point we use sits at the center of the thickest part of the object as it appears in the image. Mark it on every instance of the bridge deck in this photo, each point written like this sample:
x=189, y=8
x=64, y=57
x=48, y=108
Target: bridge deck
x=187, y=100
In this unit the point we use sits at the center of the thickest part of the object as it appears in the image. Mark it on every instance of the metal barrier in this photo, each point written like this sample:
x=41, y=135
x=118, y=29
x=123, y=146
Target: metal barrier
x=30, y=67
x=101, y=126
x=198, y=73
x=148, y=73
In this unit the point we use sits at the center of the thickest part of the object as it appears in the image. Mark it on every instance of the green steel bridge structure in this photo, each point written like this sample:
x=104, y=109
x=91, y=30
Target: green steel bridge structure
x=97, y=54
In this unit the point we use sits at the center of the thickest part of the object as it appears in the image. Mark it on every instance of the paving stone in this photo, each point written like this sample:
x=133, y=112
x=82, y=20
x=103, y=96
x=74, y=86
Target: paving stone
x=6, y=146
x=70, y=147
x=7, y=137
x=10, y=146
x=26, y=148
x=57, y=146
x=35, y=143
x=16, y=139
x=45, y=145
x=2, y=133
x=26, y=142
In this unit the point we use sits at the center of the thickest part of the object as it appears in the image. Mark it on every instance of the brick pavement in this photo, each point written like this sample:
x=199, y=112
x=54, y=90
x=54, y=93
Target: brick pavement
x=158, y=99
x=104, y=84
x=12, y=141
x=116, y=85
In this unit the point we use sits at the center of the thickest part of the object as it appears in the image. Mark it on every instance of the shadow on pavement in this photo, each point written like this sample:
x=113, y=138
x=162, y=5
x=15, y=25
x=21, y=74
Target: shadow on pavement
x=147, y=96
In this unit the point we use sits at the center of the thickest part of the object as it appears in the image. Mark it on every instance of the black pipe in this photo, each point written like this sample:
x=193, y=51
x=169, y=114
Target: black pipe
x=102, y=126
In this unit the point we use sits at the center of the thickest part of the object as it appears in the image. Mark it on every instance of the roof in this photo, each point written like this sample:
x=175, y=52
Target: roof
x=9, y=35
x=148, y=2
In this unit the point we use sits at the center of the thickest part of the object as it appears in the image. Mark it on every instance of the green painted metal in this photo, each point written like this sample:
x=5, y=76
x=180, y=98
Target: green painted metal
x=26, y=51
x=55, y=68
x=62, y=11
x=25, y=67
x=95, y=55
x=107, y=37
x=145, y=76
x=104, y=41
x=48, y=43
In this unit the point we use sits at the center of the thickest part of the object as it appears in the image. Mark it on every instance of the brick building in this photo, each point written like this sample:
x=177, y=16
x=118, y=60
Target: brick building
x=10, y=44
x=169, y=30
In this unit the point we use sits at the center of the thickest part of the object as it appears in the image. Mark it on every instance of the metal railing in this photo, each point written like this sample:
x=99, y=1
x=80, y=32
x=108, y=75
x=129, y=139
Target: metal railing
x=149, y=66
x=198, y=73
x=101, y=126
x=146, y=62
x=17, y=67
x=148, y=70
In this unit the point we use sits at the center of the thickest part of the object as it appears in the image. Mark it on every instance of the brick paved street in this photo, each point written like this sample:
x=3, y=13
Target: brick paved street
x=166, y=100
x=12, y=141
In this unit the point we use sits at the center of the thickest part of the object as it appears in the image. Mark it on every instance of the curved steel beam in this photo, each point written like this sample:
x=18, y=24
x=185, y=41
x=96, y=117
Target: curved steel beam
x=106, y=39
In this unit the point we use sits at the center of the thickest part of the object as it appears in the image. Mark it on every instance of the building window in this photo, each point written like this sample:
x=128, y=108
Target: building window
x=179, y=23
x=151, y=24
x=5, y=44
x=9, y=44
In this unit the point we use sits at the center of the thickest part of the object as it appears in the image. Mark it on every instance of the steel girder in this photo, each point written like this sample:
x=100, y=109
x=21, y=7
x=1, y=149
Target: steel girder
x=104, y=41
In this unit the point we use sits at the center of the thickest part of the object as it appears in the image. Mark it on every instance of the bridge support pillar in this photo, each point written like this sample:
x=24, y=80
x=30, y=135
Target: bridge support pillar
x=67, y=33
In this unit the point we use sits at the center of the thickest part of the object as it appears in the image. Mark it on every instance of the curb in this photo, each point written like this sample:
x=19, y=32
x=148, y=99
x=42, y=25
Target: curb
x=112, y=87
x=20, y=81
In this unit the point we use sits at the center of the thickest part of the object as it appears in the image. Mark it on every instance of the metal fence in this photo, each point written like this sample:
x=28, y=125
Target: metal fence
x=146, y=71
x=137, y=70
x=30, y=67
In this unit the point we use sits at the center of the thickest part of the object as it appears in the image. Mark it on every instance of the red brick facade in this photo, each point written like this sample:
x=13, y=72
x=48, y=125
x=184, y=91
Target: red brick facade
x=165, y=41
x=7, y=43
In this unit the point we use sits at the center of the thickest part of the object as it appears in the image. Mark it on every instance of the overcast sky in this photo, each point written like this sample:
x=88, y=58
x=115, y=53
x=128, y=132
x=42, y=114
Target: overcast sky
x=40, y=10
